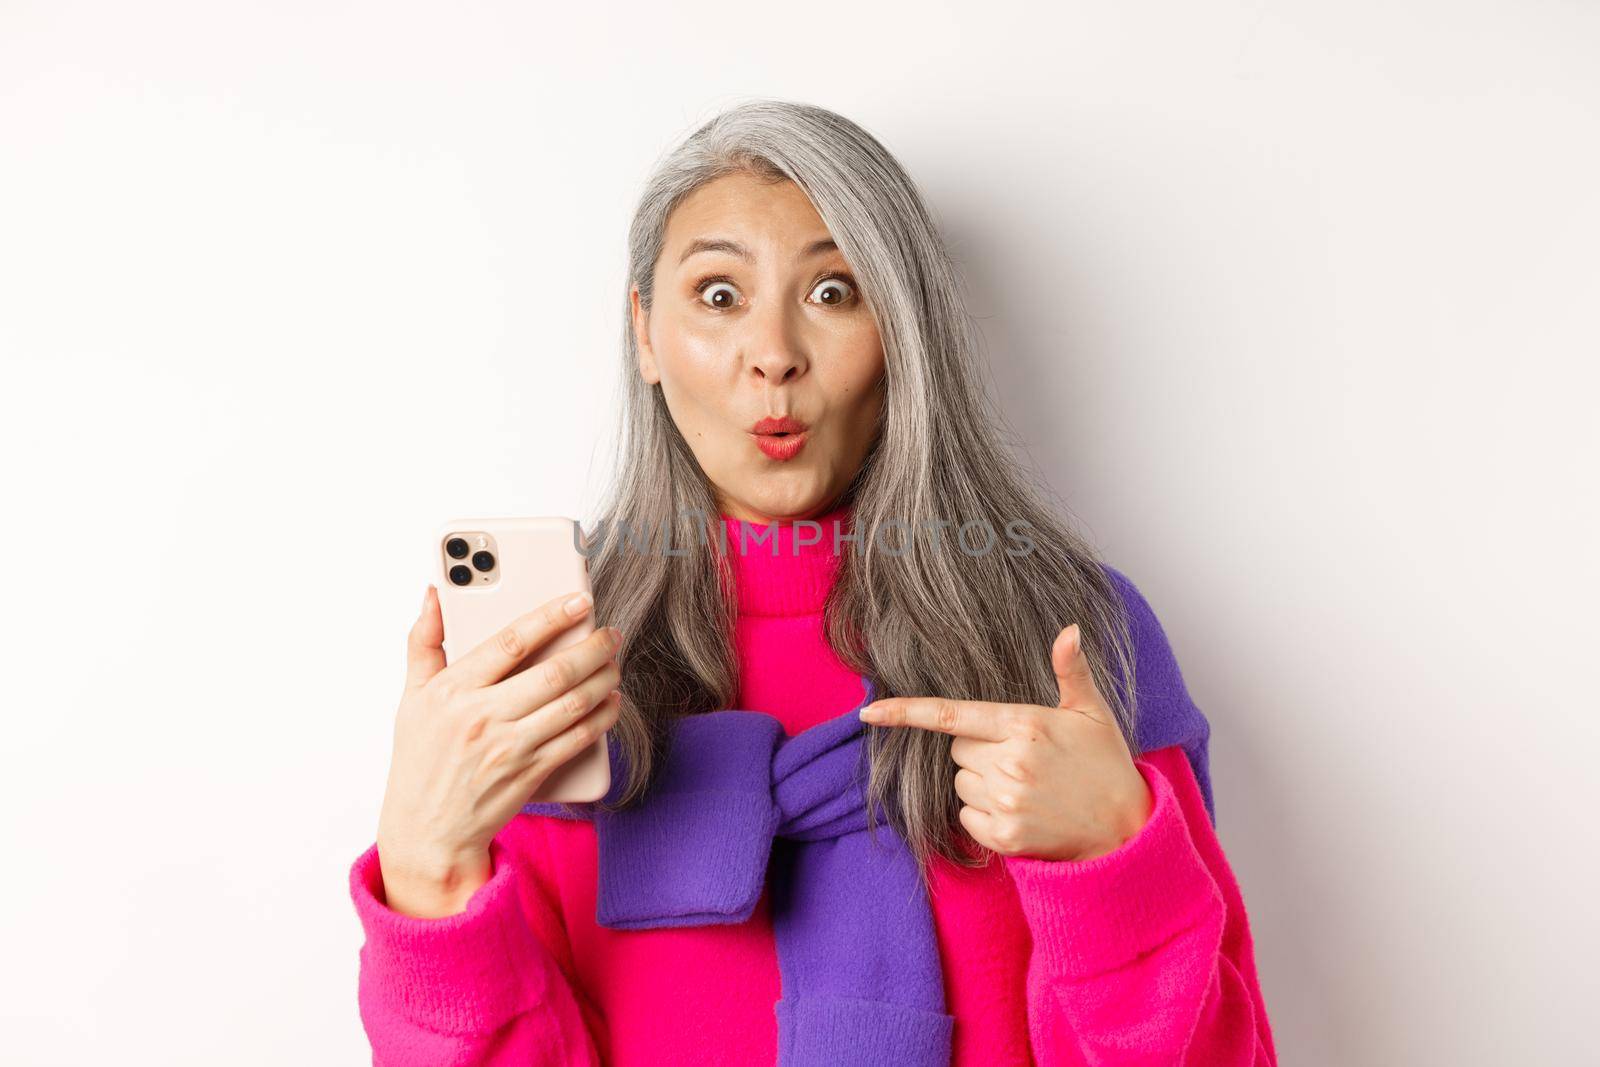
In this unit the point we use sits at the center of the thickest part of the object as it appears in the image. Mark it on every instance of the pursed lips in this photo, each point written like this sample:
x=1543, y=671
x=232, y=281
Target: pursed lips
x=780, y=437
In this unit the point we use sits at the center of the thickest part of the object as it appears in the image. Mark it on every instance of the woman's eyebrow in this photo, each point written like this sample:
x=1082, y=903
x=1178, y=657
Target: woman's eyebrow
x=734, y=248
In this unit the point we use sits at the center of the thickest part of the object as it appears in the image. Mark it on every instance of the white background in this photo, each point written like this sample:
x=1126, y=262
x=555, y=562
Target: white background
x=1295, y=305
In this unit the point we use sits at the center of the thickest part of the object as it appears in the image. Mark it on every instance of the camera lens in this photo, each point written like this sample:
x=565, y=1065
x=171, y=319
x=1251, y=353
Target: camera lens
x=484, y=561
x=457, y=547
x=460, y=575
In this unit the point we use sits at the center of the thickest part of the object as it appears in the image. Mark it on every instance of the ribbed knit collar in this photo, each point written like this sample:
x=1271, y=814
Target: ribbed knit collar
x=776, y=574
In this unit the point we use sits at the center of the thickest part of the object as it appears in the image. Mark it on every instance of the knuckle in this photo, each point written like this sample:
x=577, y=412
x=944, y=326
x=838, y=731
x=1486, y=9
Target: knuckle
x=557, y=673
x=538, y=761
x=497, y=756
x=596, y=725
x=1006, y=802
x=476, y=726
x=443, y=688
x=1023, y=724
x=1006, y=836
x=573, y=704
x=584, y=734
x=510, y=643
x=946, y=714
x=450, y=688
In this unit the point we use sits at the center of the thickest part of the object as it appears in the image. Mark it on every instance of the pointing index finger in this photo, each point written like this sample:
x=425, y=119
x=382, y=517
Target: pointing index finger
x=961, y=718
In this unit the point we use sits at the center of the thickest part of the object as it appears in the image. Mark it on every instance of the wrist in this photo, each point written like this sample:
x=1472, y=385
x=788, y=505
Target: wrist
x=430, y=883
x=1136, y=813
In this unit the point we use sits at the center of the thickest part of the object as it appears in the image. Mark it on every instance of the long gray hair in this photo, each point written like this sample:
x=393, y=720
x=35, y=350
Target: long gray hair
x=923, y=621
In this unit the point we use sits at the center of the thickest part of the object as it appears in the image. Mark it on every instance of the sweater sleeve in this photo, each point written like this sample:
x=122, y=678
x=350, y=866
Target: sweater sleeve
x=1144, y=955
x=482, y=987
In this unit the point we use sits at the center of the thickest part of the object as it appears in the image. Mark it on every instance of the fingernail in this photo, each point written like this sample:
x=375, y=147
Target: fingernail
x=425, y=591
x=577, y=605
x=867, y=713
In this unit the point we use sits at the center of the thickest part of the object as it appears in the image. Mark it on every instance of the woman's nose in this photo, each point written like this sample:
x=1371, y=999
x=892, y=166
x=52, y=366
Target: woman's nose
x=778, y=365
x=774, y=353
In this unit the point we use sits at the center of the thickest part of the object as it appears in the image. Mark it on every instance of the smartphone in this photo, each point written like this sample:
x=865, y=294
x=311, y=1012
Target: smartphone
x=488, y=572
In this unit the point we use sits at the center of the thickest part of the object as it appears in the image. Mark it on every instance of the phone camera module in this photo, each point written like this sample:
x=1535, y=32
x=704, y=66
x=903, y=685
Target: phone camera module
x=457, y=547
x=484, y=561
x=460, y=575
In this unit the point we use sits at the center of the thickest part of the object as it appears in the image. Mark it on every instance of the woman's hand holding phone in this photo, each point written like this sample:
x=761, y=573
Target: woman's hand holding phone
x=473, y=740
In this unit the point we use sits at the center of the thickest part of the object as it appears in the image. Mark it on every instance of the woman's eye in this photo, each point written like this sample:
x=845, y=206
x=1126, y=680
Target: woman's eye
x=835, y=291
x=721, y=295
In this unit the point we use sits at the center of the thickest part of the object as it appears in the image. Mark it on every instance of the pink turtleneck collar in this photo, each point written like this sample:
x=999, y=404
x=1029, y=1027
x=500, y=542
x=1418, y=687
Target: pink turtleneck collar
x=786, y=667
x=777, y=574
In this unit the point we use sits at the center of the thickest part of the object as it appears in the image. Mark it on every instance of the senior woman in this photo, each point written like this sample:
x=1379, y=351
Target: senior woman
x=890, y=786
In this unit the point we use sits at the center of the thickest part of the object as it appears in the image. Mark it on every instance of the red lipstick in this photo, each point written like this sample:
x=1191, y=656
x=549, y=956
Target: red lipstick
x=781, y=438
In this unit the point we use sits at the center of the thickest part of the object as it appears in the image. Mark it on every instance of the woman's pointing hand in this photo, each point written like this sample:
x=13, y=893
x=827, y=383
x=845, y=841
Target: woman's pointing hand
x=1049, y=783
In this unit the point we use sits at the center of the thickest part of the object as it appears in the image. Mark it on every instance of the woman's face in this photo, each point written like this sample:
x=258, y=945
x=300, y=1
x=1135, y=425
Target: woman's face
x=756, y=315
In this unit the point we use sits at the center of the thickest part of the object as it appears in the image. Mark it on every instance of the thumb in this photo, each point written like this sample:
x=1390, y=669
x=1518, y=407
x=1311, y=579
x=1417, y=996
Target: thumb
x=1072, y=670
x=425, y=643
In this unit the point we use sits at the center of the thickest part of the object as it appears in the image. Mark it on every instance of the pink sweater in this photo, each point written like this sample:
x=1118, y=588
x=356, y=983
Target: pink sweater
x=1140, y=956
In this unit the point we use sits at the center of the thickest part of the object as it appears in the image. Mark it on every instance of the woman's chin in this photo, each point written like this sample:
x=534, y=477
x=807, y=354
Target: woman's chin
x=783, y=498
